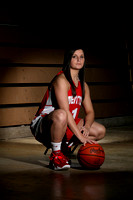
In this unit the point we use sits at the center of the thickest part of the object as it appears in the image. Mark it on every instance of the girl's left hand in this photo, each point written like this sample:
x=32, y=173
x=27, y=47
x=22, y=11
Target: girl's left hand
x=85, y=131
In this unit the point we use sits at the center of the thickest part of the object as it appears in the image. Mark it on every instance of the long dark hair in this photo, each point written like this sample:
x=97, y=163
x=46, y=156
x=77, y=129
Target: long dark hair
x=66, y=69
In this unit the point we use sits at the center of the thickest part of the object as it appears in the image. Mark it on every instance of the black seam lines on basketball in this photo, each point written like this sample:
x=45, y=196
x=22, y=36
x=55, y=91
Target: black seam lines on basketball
x=85, y=154
x=88, y=148
x=94, y=165
x=91, y=155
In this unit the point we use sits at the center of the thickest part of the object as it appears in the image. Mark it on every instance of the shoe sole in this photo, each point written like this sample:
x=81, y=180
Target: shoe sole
x=65, y=167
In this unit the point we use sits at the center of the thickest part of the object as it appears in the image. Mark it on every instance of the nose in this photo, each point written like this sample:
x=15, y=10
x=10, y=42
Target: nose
x=78, y=59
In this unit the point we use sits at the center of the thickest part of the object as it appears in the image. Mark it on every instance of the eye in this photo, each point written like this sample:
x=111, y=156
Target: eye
x=81, y=56
x=74, y=56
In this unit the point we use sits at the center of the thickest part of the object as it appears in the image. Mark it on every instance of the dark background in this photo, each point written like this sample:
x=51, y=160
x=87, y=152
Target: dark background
x=36, y=36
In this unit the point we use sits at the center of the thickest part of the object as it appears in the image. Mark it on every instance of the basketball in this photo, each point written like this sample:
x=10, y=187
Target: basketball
x=91, y=156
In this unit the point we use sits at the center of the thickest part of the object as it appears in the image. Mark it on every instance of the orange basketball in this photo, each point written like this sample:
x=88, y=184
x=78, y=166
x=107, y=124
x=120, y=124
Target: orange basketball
x=91, y=156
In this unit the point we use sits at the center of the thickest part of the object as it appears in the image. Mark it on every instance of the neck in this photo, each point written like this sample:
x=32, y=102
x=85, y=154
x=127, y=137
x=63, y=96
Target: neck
x=75, y=78
x=74, y=74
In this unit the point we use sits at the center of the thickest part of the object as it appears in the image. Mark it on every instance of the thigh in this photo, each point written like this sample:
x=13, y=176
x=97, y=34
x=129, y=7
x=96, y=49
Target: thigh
x=97, y=130
x=44, y=133
x=96, y=125
x=43, y=130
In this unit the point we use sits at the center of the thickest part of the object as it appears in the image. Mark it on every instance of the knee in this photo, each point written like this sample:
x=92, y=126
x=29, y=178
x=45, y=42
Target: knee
x=98, y=131
x=60, y=117
x=101, y=131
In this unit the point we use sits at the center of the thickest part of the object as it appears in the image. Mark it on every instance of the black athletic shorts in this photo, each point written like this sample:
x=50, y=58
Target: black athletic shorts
x=41, y=131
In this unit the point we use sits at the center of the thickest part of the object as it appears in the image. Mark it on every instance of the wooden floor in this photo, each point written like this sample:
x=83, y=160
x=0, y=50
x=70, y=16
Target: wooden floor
x=24, y=171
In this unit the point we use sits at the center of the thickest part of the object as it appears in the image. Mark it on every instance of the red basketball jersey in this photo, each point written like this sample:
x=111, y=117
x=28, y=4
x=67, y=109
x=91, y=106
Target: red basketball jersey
x=47, y=107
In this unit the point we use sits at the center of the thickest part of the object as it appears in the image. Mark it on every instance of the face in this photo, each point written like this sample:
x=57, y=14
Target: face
x=78, y=59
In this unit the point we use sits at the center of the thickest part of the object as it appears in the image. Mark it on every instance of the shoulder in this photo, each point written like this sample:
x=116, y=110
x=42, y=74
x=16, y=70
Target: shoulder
x=86, y=88
x=61, y=82
x=86, y=85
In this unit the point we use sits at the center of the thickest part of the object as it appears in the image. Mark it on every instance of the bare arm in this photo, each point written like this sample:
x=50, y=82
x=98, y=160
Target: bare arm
x=89, y=112
x=61, y=87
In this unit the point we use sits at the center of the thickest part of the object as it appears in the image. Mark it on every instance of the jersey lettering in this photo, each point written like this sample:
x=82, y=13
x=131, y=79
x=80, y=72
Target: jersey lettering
x=74, y=112
x=75, y=100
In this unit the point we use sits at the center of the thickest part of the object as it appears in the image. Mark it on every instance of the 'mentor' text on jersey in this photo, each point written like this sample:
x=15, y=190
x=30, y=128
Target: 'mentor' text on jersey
x=75, y=100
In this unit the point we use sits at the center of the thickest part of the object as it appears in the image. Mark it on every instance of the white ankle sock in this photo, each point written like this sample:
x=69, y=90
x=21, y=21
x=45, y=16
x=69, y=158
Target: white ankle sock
x=56, y=146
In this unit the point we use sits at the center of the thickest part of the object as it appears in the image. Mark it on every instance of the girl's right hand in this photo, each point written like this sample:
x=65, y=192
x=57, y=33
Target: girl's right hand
x=85, y=140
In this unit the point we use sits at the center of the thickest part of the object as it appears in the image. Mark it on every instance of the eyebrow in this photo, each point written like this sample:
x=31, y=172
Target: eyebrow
x=77, y=55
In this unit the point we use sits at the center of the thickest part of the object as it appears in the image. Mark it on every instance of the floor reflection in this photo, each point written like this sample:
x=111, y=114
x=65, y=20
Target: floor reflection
x=67, y=185
x=78, y=186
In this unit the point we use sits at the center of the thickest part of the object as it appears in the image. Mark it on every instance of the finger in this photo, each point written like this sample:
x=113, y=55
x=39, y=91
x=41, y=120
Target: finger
x=81, y=128
x=84, y=143
x=90, y=141
x=84, y=134
x=94, y=142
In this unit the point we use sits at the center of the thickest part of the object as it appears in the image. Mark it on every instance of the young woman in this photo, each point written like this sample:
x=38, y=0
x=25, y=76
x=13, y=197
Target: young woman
x=57, y=118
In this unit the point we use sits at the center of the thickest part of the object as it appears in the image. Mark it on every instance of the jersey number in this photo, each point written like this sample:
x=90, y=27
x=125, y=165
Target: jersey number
x=74, y=112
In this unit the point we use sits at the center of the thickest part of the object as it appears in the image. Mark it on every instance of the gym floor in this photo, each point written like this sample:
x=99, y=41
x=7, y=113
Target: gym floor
x=24, y=171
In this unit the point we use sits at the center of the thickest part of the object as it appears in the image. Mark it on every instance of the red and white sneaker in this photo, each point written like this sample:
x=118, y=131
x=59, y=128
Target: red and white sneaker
x=58, y=161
